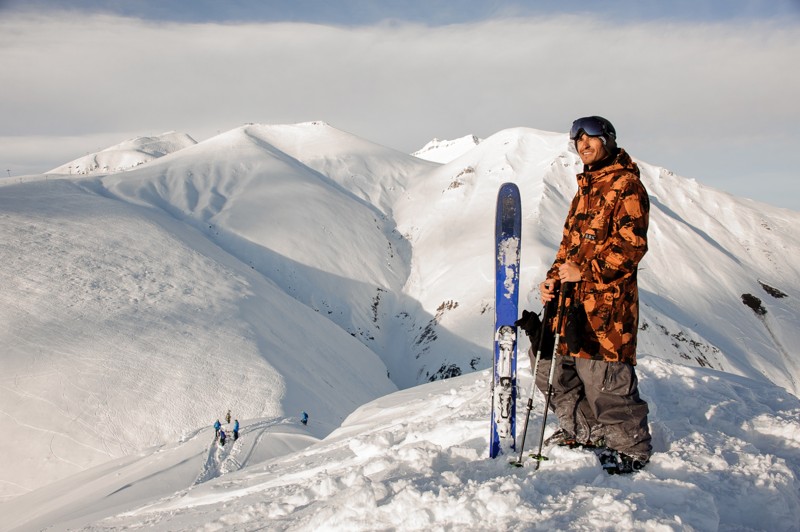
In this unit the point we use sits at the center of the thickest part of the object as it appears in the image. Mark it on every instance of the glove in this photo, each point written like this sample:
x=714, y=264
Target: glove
x=574, y=328
x=531, y=324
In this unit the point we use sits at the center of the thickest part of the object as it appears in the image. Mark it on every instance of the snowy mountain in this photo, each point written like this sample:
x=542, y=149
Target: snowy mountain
x=280, y=268
x=126, y=155
x=444, y=151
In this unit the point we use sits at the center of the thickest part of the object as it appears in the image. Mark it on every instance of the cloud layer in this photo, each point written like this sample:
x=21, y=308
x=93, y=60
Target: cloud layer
x=711, y=101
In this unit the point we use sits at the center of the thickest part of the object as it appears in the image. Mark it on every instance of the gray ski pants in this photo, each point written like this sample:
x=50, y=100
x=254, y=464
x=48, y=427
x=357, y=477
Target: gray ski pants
x=594, y=399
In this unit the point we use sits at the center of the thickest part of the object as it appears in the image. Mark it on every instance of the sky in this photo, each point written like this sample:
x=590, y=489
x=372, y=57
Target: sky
x=705, y=89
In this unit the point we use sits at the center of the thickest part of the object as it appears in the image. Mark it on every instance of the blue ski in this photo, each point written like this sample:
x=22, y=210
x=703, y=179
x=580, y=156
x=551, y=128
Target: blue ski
x=508, y=229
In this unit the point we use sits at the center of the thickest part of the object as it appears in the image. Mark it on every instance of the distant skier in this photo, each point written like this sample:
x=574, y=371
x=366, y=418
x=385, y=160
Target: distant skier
x=217, y=426
x=304, y=418
x=222, y=438
x=228, y=417
x=235, y=429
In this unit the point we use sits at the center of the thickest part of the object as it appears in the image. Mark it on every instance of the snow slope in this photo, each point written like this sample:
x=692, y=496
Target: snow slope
x=124, y=328
x=727, y=458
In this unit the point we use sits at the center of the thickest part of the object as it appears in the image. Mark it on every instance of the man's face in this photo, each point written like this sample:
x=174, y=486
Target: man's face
x=591, y=149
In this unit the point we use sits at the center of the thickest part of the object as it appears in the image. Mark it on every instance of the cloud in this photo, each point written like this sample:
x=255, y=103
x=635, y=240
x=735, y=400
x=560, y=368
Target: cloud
x=672, y=89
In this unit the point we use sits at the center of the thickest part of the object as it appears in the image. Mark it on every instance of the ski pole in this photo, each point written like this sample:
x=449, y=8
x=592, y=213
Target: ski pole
x=559, y=318
x=529, y=406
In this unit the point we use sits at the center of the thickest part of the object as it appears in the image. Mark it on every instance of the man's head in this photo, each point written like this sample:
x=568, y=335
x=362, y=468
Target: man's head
x=595, y=138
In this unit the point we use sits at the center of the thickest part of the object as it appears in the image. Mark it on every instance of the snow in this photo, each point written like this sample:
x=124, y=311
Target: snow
x=126, y=155
x=416, y=459
x=280, y=268
x=444, y=151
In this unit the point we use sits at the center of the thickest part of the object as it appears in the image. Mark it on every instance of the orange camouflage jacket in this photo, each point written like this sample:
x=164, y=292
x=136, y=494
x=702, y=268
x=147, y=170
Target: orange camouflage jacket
x=606, y=235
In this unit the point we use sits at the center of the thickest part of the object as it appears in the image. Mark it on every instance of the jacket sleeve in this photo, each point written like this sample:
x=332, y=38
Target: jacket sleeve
x=626, y=243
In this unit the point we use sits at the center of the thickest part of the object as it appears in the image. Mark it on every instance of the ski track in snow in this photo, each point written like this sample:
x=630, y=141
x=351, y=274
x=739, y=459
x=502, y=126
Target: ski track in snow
x=225, y=459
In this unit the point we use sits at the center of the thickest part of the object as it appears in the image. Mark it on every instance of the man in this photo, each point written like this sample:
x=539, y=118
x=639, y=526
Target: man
x=596, y=396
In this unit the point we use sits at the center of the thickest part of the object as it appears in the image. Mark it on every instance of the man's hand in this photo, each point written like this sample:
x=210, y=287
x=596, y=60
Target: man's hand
x=547, y=290
x=569, y=272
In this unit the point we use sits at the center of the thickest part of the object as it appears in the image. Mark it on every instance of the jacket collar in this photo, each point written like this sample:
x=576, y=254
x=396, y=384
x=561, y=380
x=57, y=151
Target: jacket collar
x=621, y=162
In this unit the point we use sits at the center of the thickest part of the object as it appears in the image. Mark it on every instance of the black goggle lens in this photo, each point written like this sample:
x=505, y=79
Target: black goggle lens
x=589, y=125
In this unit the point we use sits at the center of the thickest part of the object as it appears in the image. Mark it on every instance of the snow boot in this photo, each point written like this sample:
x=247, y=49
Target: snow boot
x=562, y=438
x=598, y=444
x=616, y=463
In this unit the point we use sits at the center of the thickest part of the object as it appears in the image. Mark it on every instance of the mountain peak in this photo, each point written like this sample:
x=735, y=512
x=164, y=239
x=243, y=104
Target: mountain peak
x=126, y=155
x=444, y=151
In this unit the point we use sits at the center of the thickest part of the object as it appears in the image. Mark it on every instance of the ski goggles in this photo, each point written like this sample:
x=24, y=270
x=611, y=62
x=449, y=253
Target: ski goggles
x=589, y=125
